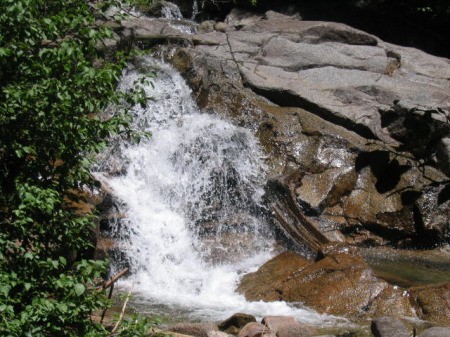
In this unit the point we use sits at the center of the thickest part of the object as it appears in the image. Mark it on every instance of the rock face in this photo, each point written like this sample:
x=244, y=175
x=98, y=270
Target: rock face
x=340, y=283
x=355, y=129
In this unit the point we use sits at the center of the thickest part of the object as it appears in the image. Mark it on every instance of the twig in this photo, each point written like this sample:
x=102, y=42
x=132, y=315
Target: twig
x=123, y=310
x=113, y=279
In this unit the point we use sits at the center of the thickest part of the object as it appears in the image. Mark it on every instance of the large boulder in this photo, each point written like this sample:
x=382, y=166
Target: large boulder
x=340, y=283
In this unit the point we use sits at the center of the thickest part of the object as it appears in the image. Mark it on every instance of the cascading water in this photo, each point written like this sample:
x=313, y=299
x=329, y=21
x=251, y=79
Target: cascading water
x=191, y=194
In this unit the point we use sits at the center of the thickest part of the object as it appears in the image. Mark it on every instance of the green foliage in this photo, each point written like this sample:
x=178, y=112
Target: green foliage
x=51, y=94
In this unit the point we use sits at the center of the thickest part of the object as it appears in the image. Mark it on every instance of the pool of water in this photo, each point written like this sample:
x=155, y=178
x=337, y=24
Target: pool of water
x=407, y=268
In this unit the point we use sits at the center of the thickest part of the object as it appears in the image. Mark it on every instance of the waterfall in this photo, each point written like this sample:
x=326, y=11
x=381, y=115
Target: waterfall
x=192, y=195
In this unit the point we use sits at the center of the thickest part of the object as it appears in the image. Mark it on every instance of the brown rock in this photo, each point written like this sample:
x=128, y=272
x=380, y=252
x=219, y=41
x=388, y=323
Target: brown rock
x=267, y=283
x=236, y=322
x=432, y=303
x=340, y=283
x=287, y=326
x=254, y=329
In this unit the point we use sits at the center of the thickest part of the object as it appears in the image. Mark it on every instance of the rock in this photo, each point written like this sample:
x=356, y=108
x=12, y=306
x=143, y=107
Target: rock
x=287, y=326
x=432, y=303
x=443, y=155
x=436, y=332
x=206, y=26
x=389, y=327
x=340, y=284
x=327, y=179
x=194, y=329
x=149, y=32
x=236, y=322
x=254, y=329
x=266, y=283
x=221, y=27
x=217, y=334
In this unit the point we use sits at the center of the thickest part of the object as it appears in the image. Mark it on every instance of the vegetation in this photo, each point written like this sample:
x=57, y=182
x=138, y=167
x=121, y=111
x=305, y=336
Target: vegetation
x=52, y=88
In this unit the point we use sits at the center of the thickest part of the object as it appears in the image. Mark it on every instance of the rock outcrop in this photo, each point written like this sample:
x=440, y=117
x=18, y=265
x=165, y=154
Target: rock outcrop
x=355, y=129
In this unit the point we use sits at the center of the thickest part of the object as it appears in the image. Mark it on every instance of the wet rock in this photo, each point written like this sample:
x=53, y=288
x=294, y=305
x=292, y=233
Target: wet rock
x=236, y=322
x=436, y=332
x=389, y=327
x=194, y=329
x=340, y=283
x=254, y=329
x=432, y=303
x=287, y=326
x=267, y=283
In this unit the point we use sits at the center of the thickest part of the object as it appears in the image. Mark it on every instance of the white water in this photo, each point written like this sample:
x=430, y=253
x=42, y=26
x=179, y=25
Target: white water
x=192, y=198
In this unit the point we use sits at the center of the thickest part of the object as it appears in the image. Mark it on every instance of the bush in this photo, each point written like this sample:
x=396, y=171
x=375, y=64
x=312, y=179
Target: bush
x=50, y=98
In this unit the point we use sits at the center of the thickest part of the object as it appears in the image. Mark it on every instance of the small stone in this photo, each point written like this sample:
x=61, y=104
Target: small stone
x=221, y=27
x=206, y=26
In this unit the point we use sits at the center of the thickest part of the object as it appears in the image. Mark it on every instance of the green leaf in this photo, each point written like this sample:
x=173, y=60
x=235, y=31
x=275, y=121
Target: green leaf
x=79, y=289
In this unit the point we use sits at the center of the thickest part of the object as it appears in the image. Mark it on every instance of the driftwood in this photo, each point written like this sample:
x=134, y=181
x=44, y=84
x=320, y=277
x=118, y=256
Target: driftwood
x=108, y=284
x=113, y=279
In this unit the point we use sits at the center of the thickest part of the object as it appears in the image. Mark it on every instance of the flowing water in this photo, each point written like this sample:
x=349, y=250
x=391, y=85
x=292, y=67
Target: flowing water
x=192, y=198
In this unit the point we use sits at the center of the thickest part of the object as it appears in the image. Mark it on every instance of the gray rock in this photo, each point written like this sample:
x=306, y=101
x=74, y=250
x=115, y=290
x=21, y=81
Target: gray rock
x=339, y=73
x=389, y=327
x=436, y=332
